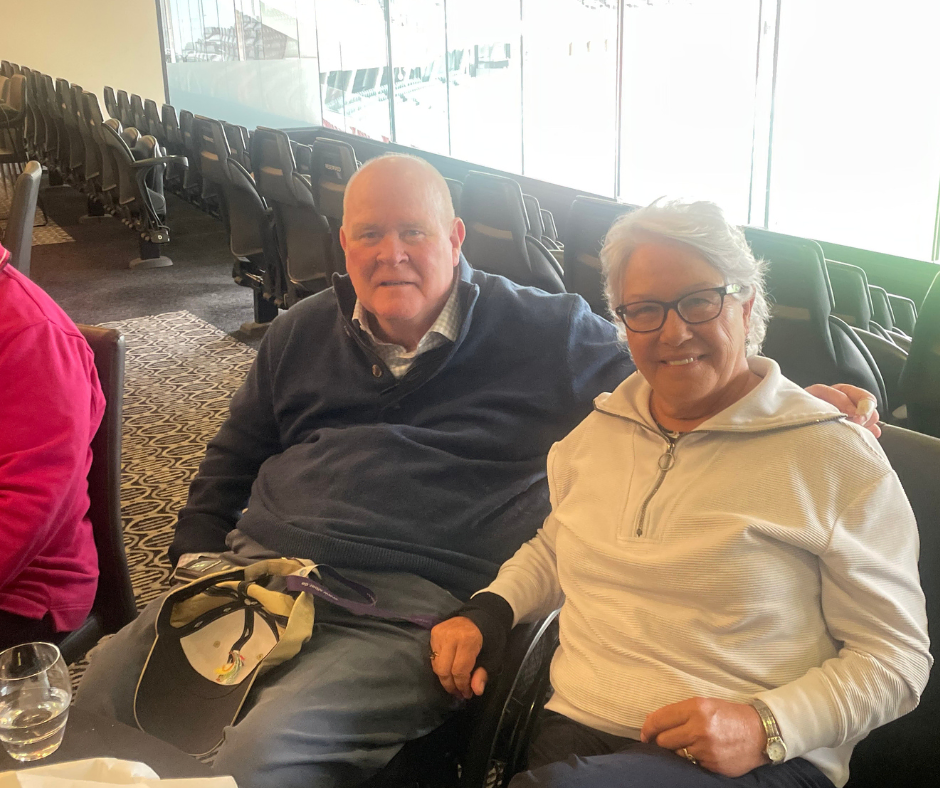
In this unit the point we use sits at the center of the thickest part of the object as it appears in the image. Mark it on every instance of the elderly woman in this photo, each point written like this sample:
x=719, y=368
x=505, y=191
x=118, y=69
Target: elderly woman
x=735, y=562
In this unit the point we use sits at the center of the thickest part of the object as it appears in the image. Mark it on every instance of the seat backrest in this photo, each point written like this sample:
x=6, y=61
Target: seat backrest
x=237, y=137
x=18, y=238
x=456, y=193
x=589, y=219
x=244, y=206
x=6, y=68
x=16, y=93
x=110, y=102
x=809, y=343
x=114, y=602
x=905, y=313
x=303, y=232
x=92, y=149
x=125, y=113
x=920, y=380
x=493, y=211
x=154, y=122
x=171, y=130
x=881, y=308
x=137, y=112
x=548, y=223
x=332, y=164
x=852, y=301
x=533, y=213
x=905, y=752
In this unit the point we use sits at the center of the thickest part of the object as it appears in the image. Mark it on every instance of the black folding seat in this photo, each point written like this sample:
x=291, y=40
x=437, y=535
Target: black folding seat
x=29, y=124
x=548, y=222
x=125, y=113
x=140, y=163
x=13, y=123
x=810, y=344
x=238, y=141
x=247, y=219
x=456, y=193
x=36, y=141
x=497, y=239
x=174, y=176
x=332, y=164
x=883, y=315
x=192, y=180
x=589, y=219
x=6, y=68
x=304, y=239
x=77, y=150
x=137, y=113
x=920, y=380
x=905, y=313
x=533, y=212
x=110, y=102
x=852, y=304
x=90, y=117
x=155, y=123
x=64, y=151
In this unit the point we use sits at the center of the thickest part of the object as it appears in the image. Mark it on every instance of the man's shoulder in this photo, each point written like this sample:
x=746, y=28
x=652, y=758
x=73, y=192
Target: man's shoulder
x=314, y=313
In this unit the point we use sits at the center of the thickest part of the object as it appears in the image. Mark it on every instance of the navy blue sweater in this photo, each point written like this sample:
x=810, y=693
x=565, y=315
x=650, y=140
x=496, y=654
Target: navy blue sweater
x=441, y=473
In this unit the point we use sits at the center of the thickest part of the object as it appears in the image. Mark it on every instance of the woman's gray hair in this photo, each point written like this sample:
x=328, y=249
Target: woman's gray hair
x=703, y=227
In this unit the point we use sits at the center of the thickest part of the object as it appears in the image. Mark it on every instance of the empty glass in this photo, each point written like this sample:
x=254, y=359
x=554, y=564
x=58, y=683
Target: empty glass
x=35, y=692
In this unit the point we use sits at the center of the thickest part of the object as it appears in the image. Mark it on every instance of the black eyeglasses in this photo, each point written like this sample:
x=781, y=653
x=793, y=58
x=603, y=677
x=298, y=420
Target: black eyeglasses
x=641, y=317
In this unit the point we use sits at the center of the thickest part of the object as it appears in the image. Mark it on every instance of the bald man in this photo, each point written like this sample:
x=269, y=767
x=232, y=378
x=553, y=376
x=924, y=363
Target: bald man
x=395, y=427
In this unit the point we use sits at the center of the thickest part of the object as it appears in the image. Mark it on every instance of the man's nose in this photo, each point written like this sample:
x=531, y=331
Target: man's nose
x=391, y=249
x=675, y=330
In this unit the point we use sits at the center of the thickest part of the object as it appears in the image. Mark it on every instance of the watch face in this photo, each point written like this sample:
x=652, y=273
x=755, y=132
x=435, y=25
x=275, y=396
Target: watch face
x=776, y=750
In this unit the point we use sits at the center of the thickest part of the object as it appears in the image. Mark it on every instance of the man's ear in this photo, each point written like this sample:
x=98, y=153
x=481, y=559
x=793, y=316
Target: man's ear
x=342, y=237
x=457, y=234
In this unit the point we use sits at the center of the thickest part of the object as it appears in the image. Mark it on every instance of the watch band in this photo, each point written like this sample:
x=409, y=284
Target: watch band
x=776, y=748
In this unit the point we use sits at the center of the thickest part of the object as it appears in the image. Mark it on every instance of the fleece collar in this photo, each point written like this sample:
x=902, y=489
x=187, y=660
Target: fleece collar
x=774, y=403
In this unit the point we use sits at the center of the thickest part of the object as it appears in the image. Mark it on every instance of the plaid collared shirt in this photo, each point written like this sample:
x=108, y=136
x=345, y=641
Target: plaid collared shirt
x=396, y=357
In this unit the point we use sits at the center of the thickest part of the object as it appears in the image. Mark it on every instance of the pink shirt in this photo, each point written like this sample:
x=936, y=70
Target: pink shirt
x=50, y=407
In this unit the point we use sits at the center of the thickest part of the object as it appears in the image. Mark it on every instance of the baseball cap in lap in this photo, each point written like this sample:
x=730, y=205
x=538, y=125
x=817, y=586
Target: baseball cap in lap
x=213, y=638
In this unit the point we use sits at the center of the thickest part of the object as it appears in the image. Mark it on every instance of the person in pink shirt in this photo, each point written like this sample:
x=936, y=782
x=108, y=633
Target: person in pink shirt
x=50, y=407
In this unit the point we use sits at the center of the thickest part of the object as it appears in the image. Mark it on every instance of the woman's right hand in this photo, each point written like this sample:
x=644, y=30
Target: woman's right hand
x=455, y=646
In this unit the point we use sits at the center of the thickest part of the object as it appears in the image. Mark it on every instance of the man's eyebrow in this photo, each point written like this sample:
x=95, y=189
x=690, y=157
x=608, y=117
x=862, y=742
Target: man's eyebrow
x=362, y=227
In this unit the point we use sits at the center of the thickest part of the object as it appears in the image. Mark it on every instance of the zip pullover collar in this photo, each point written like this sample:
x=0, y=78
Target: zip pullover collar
x=775, y=403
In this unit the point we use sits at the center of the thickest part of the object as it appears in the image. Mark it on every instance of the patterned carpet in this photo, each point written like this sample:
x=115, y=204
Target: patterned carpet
x=45, y=231
x=180, y=374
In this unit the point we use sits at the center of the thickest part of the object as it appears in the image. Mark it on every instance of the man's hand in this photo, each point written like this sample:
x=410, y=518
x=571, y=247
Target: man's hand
x=455, y=645
x=856, y=403
x=724, y=737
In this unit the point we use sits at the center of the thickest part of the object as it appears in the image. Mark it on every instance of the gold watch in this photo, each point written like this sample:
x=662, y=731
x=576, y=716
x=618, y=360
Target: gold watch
x=776, y=748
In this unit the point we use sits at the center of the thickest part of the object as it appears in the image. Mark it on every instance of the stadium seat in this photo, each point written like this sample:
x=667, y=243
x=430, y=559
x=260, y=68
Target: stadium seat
x=238, y=140
x=456, y=193
x=548, y=222
x=125, y=113
x=920, y=380
x=64, y=150
x=332, y=164
x=6, y=68
x=140, y=163
x=810, y=344
x=852, y=304
x=247, y=219
x=192, y=189
x=18, y=236
x=304, y=238
x=110, y=102
x=114, y=604
x=175, y=176
x=497, y=239
x=905, y=752
x=90, y=117
x=905, y=313
x=155, y=123
x=589, y=219
x=13, y=122
x=137, y=113
x=54, y=127
x=884, y=316
x=73, y=123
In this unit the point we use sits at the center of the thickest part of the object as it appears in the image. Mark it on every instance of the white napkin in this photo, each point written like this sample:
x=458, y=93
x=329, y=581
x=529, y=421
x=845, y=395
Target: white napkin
x=98, y=772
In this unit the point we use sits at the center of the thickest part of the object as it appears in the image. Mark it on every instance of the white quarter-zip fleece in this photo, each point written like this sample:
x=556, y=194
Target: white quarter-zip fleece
x=769, y=553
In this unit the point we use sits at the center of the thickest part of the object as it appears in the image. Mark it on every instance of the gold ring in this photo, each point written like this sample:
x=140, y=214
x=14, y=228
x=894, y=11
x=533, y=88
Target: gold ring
x=432, y=654
x=688, y=756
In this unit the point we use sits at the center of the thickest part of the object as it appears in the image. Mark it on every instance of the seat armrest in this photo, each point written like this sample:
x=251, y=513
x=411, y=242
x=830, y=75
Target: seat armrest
x=182, y=161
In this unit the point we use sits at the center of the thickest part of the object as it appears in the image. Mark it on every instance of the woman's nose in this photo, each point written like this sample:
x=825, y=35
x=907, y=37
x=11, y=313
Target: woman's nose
x=675, y=330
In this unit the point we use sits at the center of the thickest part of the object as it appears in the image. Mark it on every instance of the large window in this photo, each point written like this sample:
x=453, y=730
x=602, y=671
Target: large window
x=814, y=117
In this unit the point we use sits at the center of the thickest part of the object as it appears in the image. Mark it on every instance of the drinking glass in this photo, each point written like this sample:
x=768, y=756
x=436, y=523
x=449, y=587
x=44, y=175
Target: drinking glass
x=35, y=692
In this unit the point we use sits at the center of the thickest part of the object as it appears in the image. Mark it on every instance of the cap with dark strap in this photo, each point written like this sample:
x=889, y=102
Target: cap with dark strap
x=213, y=638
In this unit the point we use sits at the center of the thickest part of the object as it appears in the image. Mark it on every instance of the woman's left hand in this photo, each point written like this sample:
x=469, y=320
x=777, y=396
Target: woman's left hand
x=723, y=737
